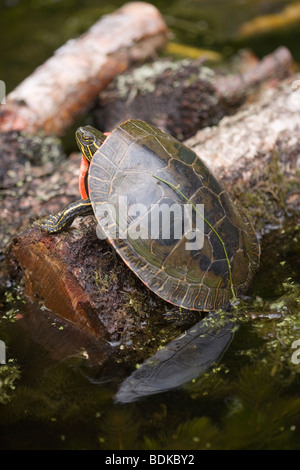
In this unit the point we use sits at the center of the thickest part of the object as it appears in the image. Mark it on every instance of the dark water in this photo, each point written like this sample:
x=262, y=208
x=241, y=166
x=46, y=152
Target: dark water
x=53, y=392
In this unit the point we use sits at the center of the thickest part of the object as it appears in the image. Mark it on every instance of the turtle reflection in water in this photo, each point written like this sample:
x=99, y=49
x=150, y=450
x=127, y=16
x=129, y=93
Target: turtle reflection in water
x=144, y=165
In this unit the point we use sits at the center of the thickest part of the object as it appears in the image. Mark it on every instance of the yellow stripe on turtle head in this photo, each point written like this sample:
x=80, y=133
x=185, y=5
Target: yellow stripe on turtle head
x=89, y=140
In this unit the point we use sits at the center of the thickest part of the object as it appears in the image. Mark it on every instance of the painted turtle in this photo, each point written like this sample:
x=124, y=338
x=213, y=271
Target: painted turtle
x=140, y=166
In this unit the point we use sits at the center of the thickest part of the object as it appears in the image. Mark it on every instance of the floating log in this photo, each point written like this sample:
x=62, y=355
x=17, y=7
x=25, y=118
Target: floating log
x=255, y=153
x=67, y=84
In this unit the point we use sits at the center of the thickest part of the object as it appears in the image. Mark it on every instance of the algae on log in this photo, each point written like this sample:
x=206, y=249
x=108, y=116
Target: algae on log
x=256, y=153
x=68, y=83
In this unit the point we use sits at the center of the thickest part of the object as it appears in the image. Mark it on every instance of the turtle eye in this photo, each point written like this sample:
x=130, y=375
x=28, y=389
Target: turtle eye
x=86, y=138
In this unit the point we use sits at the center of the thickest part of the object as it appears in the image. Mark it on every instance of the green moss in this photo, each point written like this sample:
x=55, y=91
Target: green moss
x=101, y=280
x=39, y=149
x=265, y=197
x=138, y=302
x=9, y=374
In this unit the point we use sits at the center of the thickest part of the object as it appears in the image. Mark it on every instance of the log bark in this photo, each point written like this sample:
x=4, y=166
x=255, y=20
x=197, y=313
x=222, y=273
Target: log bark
x=256, y=153
x=67, y=84
x=183, y=97
x=80, y=279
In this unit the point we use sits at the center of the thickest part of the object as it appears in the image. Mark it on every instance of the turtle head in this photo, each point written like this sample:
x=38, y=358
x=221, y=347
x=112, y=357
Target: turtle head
x=89, y=140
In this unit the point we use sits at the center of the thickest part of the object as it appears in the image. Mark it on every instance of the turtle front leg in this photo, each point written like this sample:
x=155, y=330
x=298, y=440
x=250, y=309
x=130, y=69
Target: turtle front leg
x=62, y=220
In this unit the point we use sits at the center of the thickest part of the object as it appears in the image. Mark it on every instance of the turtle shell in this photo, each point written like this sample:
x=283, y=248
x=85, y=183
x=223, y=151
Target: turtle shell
x=131, y=205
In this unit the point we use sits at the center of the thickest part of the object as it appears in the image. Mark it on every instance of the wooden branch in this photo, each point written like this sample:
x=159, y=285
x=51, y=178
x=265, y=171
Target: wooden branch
x=255, y=130
x=67, y=84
